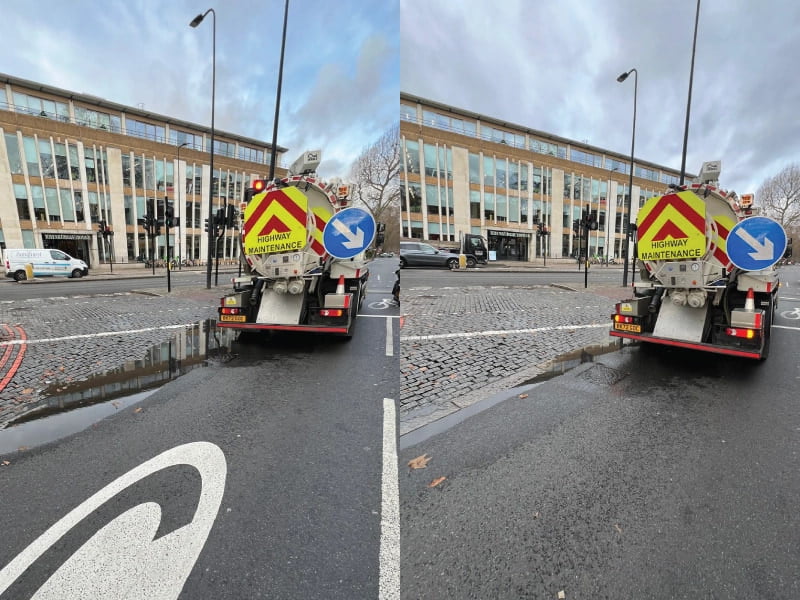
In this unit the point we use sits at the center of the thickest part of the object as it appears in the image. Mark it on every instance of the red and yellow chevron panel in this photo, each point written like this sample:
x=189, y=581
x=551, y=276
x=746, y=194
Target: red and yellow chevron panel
x=276, y=221
x=672, y=227
x=321, y=218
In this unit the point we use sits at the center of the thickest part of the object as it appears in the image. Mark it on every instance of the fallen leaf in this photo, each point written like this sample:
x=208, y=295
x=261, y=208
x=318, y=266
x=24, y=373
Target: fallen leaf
x=561, y=595
x=61, y=369
x=536, y=515
x=453, y=376
x=436, y=481
x=420, y=462
x=5, y=463
x=523, y=395
x=618, y=528
x=115, y=404
x=27, y=391
x=136, y=410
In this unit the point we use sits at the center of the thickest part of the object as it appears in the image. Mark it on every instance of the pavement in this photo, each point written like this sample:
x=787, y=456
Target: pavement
x=459, y=345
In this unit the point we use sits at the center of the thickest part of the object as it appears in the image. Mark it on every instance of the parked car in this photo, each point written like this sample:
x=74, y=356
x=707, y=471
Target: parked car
x=418, y=254
x=42, y=263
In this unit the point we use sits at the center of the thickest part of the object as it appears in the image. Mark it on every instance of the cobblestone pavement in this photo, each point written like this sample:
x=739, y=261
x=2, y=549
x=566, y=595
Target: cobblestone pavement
x=463, y=344
x=61, y=341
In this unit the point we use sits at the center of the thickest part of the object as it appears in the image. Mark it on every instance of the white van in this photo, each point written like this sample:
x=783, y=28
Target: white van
x=45, y=263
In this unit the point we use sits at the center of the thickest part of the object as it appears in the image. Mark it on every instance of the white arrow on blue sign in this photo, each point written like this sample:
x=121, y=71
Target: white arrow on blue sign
x=348, y=232
x=756, y=243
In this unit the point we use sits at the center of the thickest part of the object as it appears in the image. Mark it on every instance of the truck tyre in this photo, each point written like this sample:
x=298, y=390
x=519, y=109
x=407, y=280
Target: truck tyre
x=77, y=274
x=471, y=262
x=452, y=264
x=402, y=263
x=20, y=275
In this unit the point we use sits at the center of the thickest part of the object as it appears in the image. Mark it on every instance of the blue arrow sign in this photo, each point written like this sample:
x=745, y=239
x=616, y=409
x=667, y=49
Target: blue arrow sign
x=756, y=243
x=348, y=232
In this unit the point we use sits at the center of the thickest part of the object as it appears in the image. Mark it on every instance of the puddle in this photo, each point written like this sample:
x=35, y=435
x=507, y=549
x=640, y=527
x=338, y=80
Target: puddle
x=557, y=366
x=566, y=362
x=65, y=409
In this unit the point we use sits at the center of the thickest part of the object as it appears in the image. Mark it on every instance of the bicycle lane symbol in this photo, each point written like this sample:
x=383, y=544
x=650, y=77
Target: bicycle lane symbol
x=382, y=304
x=793, y=314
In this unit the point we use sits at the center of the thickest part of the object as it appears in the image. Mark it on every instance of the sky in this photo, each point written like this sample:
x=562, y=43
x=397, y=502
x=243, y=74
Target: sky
x=340, y=84
x=552, y=65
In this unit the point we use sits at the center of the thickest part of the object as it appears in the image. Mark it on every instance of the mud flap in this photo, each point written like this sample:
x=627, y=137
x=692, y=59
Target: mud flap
x=280, y=309
x=680, y=322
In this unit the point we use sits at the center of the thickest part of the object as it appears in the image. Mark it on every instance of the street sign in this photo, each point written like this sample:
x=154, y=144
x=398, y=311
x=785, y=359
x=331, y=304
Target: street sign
x=756, y=243
x=348, y=232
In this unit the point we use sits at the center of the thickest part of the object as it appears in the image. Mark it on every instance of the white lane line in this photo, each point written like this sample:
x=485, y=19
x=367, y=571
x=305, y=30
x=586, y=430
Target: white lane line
x=389, y=558
x=472, y=334
x=84, y=336
x=785, y=327
x=381, y=316
x=389, y=338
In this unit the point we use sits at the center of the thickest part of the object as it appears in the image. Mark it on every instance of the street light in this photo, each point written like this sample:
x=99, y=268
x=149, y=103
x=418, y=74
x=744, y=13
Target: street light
x=278, y=96
x=689, y=99
x=626, y=247
x=178, y=199
x=195, y=22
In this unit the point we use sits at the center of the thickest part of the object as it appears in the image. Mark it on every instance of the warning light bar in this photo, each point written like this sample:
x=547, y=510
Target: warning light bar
x=259, y=185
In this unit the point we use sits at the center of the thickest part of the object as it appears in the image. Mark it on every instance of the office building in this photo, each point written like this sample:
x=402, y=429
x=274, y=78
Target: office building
x=70, y=161
x=523, y=190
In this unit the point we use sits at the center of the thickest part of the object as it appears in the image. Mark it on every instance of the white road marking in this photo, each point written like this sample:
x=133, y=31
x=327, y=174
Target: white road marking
x=785, y=327
x=85, y=336
x=389, y=558
x=389, y=338
x=473, y=334
x=380, y=316
x=122, y=556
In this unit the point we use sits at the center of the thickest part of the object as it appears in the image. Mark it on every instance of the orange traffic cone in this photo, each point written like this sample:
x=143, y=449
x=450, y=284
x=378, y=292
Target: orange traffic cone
x=750, y=301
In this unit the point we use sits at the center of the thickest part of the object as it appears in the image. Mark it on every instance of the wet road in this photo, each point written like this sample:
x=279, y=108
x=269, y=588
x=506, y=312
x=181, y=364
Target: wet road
x=645, y=473
x=258, y=475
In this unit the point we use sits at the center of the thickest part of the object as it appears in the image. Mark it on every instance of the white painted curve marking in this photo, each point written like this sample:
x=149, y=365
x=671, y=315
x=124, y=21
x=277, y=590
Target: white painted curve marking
x=389, y=557
x=122, y=560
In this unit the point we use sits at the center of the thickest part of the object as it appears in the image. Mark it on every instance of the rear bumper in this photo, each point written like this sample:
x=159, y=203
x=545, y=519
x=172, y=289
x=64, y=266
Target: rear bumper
x=330, y=329
x=651, y=339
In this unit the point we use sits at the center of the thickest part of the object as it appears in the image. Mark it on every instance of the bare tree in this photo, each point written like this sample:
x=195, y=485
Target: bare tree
x=375, y=177
x=779, y=197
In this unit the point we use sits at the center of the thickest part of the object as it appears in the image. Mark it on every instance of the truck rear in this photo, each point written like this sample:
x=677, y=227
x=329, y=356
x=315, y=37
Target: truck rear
x=294, y=283
x=708, y=276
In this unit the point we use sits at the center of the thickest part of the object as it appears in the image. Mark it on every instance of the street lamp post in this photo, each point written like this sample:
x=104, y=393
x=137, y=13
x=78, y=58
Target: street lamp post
x=178, y=201
x=274, y=151
x=627, y=237
x=689, y=99
x=195, y=22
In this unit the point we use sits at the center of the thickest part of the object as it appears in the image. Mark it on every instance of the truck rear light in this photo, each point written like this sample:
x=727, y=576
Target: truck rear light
x=229, y=311
x=623, y=319
x=747, y=334
x=331, y=312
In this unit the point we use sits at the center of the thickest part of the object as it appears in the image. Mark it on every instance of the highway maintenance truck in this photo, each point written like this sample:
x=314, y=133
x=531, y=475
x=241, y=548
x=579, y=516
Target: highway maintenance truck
x=293, y=281
x=708, y=280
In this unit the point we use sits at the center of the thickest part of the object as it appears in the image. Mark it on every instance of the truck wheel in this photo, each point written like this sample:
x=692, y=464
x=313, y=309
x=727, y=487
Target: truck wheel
x=20, y=276
x=471, y=262
x=452, y=264
x=77, y=274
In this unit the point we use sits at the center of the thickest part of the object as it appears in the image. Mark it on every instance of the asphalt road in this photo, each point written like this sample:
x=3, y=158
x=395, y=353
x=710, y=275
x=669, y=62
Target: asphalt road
x=261, y=475
x=645, y=473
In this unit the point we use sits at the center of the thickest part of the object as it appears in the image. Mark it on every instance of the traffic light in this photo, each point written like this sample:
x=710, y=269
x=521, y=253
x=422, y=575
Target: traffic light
x=205, y=227
x=258, y=186
x=101, y=226
x=788, y=252
x=169, y=216
x=230, y=216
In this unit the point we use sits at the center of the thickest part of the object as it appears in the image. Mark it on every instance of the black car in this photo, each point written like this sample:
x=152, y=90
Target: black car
x=418, y=254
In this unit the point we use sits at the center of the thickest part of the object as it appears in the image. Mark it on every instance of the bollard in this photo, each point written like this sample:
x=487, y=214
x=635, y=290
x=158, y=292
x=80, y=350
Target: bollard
x=29, y=270
x=462, y=261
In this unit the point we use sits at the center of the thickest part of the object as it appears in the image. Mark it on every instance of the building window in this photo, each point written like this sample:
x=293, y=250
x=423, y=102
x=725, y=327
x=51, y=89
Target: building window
x=431, y=169
x=53, y=208
x=488, y=206
x=62, y=169
x=14, y=158
x=46, y=154
x=474, y=168
x=23, y=208
x=488, y=171
x=38, y=203
x=412, y=156
x=31, y=156
x=408, y=113
x=474, y=204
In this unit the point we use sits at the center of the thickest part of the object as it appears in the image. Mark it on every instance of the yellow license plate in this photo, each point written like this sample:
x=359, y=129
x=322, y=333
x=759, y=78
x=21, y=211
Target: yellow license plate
x=233, y=318
x=632, y=327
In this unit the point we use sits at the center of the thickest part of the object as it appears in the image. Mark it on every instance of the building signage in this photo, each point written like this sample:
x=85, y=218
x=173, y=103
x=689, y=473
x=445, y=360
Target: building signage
x=510, y=234
x=67, y=236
